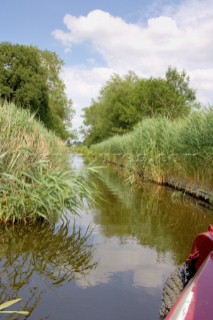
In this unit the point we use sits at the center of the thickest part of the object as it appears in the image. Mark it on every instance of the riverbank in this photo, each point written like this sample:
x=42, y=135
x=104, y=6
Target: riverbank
x=175, y=153
x=36, y=182
x=203, y=196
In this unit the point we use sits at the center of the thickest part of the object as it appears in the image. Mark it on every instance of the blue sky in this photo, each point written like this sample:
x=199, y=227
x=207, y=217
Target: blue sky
x=97, y=38
x=32, y=22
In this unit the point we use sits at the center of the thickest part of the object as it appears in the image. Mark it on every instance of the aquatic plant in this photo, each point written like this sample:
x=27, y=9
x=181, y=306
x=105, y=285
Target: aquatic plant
x=36, y=181
x=159, y=149
x=10, y=303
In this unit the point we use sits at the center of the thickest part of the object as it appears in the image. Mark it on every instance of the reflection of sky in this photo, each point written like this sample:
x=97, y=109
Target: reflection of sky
x=76, y=162
x=121, y=256
x=114, y=257
x=126, y=284
x=128, y=280
x=124, y=255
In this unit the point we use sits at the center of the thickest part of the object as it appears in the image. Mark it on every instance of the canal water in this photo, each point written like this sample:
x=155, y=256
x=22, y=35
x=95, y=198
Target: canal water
x=110, y=262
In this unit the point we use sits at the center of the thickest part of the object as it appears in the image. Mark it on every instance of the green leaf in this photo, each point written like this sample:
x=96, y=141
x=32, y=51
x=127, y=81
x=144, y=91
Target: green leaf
x=8, y=303
x=19, y=312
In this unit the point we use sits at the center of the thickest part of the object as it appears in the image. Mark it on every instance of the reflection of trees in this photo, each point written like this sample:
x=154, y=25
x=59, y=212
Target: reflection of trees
x=56, y=254
x=151, y=214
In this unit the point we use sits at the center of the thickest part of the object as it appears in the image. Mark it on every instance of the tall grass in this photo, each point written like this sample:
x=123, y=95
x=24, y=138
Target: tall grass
x=160, y=149
x=35, y=179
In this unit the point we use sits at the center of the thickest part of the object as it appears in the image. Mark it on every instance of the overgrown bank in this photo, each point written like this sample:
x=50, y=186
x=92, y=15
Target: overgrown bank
x=35, y=179
x=178, y=153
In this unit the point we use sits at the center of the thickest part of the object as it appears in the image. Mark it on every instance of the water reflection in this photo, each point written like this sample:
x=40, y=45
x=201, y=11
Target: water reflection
x=117, y=272
x=129, y=258
x=156, y=216
x=34, y=258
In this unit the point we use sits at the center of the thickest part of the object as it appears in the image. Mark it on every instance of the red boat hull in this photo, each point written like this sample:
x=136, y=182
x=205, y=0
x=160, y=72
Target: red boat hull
x=196, y=300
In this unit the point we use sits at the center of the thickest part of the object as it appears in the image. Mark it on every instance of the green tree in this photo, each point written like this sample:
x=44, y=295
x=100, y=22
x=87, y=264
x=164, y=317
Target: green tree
x=29, y=77
x=22, y=79
x=182, y=97
x=170, y=96
x=124, y=101
x=113, y=112
x=60, y=106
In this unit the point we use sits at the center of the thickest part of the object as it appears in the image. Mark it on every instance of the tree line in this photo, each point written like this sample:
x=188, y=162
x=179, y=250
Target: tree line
x=125, y=100
x=30, y=78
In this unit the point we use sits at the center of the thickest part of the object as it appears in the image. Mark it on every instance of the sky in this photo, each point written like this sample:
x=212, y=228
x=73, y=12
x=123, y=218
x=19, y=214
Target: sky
x=97, y=38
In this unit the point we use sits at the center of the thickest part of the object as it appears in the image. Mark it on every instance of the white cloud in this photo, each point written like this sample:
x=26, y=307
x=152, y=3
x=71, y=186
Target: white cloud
x=82, y=85
x=181, y=36
x=203, y=79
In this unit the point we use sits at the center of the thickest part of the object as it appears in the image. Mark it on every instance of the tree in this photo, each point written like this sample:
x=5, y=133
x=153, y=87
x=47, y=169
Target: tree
x=29, y=77
x=113, y=112
x=182, y=97
x=124, y=101
x=159, y=97
x=60, y=106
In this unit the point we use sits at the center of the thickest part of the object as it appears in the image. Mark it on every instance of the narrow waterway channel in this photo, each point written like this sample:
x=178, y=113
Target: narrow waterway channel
x=108, y=263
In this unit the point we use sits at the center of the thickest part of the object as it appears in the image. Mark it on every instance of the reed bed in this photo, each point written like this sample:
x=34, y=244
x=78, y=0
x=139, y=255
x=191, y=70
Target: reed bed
x=35, y=179
x=159, y=149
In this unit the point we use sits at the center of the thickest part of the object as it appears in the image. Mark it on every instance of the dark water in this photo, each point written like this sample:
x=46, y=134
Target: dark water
x=115, y=270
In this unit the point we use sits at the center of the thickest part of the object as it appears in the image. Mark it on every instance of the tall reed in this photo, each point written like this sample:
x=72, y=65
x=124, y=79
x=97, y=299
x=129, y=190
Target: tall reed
x=35, y=178
x=159, y=148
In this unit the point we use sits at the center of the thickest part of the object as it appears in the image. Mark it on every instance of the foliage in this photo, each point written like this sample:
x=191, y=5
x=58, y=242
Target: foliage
x=147, y=211
x=29, y=77
x=113, y=112
x=181, y=96
x=35, y=178
x=10, y=303
x=58, y=254
x=171, y=97
x=160, y=148
x=60, y=106
x=125, y=101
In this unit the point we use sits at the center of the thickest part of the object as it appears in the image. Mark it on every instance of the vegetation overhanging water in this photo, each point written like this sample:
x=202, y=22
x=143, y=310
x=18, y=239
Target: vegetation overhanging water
x=36, y=182
x=173, y=152
x=113, y=270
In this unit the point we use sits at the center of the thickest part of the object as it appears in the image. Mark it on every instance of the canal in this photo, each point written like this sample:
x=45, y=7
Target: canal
x=110, y=262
